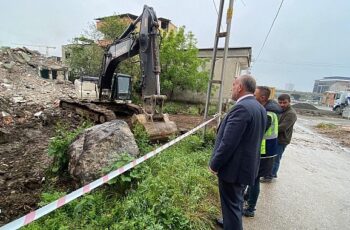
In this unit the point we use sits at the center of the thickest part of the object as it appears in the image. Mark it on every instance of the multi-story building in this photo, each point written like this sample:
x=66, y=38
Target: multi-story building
x=334, y=83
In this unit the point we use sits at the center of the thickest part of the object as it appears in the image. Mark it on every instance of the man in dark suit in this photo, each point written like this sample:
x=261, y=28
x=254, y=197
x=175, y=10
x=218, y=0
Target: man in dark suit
x=235, y=158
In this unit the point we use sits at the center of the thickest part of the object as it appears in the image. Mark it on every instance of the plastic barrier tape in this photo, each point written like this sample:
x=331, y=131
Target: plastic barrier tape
x=34, y=215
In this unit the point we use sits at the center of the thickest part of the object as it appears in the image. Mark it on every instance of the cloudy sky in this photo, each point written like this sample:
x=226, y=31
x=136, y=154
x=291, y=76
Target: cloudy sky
x=310, y=39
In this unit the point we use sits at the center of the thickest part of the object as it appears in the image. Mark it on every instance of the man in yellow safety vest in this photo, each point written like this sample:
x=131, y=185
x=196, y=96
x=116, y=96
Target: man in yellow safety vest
x=268, y=146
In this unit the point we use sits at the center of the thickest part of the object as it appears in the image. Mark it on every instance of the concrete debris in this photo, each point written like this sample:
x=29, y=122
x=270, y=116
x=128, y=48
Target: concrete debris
x=4, y=138
x=25, y=58
x=24, y=84
x=9, y=65
x=18, y=100
x=6, y=118
x=38, y=114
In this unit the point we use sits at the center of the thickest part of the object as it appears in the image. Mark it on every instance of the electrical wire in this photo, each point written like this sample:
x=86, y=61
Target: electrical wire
x=307, y=64
x=273, y=22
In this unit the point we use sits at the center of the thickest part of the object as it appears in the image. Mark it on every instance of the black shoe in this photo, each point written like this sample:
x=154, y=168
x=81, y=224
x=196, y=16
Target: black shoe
x=266, y=179
x=220, y=222
x=245, y=196
x=248, y=213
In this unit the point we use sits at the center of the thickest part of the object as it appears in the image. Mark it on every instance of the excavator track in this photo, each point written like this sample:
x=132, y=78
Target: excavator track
x=98, y=114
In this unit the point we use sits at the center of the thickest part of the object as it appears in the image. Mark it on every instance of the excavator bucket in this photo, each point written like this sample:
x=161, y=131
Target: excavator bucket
x=156, y=129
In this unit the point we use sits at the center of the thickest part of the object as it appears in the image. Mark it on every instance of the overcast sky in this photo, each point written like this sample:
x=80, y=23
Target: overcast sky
x=310, y=39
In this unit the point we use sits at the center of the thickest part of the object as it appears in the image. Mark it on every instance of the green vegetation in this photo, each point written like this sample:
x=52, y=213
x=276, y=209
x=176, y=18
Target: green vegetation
x=190, y=109
x=59, y=144
x=174, y=190
x=181, y=67
x=142, y=139
x=324, y=125
x=84, y=57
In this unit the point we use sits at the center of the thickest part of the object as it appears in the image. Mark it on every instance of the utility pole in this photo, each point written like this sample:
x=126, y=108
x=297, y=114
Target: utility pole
x=218, y=35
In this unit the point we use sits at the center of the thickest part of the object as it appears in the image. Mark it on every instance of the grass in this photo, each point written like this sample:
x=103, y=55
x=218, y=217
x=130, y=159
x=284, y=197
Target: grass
x=173, y=190
x=324, y=125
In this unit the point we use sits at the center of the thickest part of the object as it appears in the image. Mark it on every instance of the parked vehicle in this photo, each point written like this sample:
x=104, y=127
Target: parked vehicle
x=341, y=102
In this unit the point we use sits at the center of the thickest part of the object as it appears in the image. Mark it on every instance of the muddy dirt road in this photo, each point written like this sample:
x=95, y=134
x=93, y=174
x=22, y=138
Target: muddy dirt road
x=313, y=186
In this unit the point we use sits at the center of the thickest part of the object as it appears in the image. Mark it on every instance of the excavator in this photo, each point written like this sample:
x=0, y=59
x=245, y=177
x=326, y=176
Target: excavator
x=112, y=91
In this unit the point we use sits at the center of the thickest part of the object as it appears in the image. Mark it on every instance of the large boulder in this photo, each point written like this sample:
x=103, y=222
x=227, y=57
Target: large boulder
x=98, y=148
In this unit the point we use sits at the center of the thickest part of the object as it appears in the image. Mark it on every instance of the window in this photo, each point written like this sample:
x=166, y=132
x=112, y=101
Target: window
x=164, y=25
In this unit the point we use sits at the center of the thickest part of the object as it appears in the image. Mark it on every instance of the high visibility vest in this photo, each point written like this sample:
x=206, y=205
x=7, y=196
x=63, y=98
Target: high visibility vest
x=271, y=132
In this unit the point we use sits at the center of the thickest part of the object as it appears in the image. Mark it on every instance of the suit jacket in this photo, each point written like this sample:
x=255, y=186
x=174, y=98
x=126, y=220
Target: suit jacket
x=236, y=154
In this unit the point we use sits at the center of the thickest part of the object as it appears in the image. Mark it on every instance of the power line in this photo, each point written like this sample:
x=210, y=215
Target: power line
x=308, y=64
x=273, y=22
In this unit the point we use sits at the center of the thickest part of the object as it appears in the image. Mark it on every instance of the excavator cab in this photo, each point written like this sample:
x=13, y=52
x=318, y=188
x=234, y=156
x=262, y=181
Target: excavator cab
x=121, y=88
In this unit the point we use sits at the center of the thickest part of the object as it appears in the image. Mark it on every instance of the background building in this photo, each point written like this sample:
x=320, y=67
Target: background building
x=238, y=60
x=335, y=83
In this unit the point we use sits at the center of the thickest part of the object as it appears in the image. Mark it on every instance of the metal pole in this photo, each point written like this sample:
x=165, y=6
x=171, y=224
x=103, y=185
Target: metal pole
x=227, y=40
x=213, y=60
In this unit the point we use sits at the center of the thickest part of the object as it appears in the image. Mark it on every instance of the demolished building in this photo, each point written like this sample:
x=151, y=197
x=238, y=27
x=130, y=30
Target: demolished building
x=48, y=68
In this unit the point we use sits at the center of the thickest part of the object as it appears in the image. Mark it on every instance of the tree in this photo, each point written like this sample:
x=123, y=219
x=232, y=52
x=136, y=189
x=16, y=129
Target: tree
x=181, y=67
x=112, y=27
x=85, y=57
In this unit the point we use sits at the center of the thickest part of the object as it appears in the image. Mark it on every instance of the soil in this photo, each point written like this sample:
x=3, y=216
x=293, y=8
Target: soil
x=304, y=106
x=339, y=133
x=24, y=160
x=187, y=122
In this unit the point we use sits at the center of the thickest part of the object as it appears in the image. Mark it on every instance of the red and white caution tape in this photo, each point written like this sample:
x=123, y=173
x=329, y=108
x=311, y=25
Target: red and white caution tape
x=34, y=215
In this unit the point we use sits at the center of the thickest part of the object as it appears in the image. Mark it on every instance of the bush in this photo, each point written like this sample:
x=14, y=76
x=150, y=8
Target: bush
x=59, y=144
x=142, y=139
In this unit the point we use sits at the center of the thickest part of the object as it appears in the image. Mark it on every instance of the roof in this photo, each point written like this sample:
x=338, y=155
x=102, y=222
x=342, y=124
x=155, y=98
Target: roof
x=230, y=48
x=164, y=19
x=127, y=15
x=244, y=52
x=336, y=78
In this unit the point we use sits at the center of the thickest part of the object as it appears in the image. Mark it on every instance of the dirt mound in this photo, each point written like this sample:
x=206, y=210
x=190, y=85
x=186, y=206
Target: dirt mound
x=28, y=115
x=304, y=106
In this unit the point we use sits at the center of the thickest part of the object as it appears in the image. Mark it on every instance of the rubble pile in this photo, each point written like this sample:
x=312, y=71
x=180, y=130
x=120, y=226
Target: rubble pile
x=21, y=86
x=28, y=117
x=19, y=58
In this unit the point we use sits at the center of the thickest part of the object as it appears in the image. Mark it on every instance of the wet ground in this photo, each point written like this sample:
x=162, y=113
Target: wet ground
x=313, y=186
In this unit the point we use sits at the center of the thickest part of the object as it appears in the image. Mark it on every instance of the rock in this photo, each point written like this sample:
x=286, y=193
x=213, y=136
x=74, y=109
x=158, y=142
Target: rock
x=4, y=138
x=98, y=148
x=18, y=100
x=25, y=56
x=2, y=182
x=9, y=66
x=38, y=114
x=7, y=86
x=6, y=118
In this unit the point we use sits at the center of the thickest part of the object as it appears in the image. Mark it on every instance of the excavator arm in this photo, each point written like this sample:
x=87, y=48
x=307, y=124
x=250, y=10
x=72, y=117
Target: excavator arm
x=146, y=44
